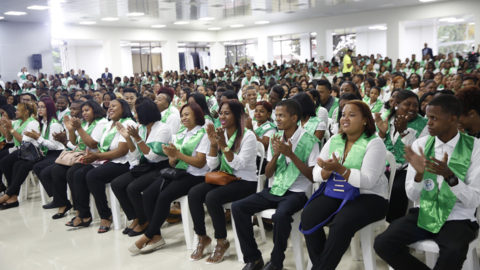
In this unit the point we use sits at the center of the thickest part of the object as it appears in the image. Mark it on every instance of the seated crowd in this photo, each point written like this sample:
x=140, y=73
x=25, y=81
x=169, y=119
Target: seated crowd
x=156, y=137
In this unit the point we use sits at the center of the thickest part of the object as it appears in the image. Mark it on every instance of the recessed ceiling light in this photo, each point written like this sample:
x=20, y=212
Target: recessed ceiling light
x=207, y=19
x=377, y=27
x=181, y=22
x=37, y=7
x=427, y=1
x=214, y=28
x=110, y=19
x=262, y=22
x=471, y=23
x=15, y=13
x=87, y=22
x=135, y=14
x=158, y=26
x=1, y=17
x=181, y=44
x=313, y=33
x=236, y=25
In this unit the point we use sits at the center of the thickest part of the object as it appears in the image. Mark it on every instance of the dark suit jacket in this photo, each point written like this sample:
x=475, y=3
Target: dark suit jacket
x=107, y=76
x=428, y=51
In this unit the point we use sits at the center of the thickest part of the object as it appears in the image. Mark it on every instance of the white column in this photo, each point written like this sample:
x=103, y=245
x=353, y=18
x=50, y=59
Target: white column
x=328, y=45
x=170, y=55
x=394, y=31
x=111, y=53
x=305, y=47
x=217, y=55
x=264, y=50
x=477, y=30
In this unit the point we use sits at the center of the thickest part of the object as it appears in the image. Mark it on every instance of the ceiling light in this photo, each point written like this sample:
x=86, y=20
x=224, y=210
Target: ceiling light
x=110, y=19
x=427, y=1
x=37, y=7
x=87, y=22
x=451, y=20
x=1, y=17
x=470, y=23
x=262, y=22
x=15, y=13
x=158, y=26
x=135, y=14
x=181, y=22
x=207, y=19
x=377, y=27
x=236, y=25
x=181, y=44
x=214, y=28
x=313, y=33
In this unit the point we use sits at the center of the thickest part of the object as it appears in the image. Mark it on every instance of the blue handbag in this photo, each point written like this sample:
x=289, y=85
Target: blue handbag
x=335, y=187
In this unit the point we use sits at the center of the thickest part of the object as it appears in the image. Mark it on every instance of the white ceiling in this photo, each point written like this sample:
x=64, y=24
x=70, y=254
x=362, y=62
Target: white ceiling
x=223, y=12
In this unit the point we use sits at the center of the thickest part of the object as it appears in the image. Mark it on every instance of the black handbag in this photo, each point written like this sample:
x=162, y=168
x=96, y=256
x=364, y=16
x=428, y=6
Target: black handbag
x=172, y=173
x=29, y=152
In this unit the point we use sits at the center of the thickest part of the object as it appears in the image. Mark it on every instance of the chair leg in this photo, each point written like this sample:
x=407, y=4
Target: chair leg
x=43, y=195
x=187, y=222
x=431, y=259
x=262, y=228
x=471, y=263
x=116, y=214
x=355, y=248
x=297, y=242
x=238, y=249
x=366, y=240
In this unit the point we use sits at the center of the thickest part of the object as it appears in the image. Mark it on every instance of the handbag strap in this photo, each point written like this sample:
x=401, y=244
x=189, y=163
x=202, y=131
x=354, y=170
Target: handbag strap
x=317, y=193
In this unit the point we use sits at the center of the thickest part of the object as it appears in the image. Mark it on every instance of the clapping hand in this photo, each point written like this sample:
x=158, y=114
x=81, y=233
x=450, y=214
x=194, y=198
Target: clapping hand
x=438, y=167
x=122, y=130
x=381, y=124
x=90, y=157
x=7, y=124
x=330, y=165
x=32, y=134
x=67, y=121
x=60, y=137
x=419, y=162
x=212, y=137
x=281, y=148
x=76, y=123
x=133, y=131
x=171, y=151
x=400, y=123
x=220, y=137
x=249, y=123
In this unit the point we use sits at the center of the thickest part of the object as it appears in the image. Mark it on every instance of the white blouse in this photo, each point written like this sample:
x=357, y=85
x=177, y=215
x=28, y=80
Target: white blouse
x=160, y=132
x=50, y=142
x=203, y=147
x=116, y=140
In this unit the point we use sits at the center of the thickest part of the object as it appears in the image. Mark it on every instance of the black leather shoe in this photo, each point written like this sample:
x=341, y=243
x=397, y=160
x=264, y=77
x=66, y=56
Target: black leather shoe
x=133, y=233
x=61, y=215
x=50, y=205
x=126, y=230
x=270, y=266
x=256, y=265
x=5, y=206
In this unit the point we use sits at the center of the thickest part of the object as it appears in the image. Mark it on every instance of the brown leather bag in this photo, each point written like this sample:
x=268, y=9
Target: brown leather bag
x=220, y=178
x=68, y=158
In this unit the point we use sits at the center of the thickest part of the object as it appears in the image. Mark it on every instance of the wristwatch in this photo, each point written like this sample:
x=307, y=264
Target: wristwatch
x=451, y=180
x=225, y=149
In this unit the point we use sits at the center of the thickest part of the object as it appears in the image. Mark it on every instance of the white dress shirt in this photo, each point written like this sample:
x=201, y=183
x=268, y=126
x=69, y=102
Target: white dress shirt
x=116, y=140
x=50, y=142
x=301, y=184
x=269, y=133
x=468, y=192
x=31, y=126
x=243, y=163
x=173, y=120
x=370, y=179
x=96, y=134
x=159, y=132
x=202, y=147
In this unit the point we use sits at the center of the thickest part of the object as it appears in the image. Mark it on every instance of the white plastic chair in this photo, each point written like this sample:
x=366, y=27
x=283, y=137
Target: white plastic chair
x=187, y=222
x=260, y=153
x=117, y=221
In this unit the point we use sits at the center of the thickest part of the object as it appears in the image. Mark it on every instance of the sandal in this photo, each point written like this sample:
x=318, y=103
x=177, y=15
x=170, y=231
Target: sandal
x=204, y=243
x=104, y=229
x=85, y=224
x=221, y=250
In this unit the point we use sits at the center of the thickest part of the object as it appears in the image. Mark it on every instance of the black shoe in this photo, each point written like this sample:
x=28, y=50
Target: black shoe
x=270, y=266
x=5, y=206
x=49, y=205
x=61, y=215
x=256, y=265
x=126, y=230
x=81, y=224
x=133, y=233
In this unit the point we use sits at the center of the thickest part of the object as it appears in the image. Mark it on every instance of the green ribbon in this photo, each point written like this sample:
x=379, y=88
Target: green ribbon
x=377, y=107
x=286, y=175
x=355, y=155
x=334, y=106
x=104, y=145
x=311, y=125
x=167, y=114
x=188, y=147
x=156, y=147
x=47, y=134
x=436, y=204
x=262, y=129
x=224, y=167
x=19, y=127
x=398, y=149
x=80, y=143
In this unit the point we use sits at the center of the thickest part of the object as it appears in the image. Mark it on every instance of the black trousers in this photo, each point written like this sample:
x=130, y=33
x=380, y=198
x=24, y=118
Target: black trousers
x=398, y=199
x=61, y=175
x=326, y=253
x=43, y=170
x=214, y=197
x=453, y=240
x=88, y=179
x=128, y=191
x=285, y=205
x=21, y=168
x=160, y=197
x=6, y=165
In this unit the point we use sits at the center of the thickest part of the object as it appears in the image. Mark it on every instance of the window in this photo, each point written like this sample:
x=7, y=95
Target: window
x=146, y=56
x=286, y=48
x=459, y=37
x=342, y=42
x=241, y=52
x=193, y=55
x=313, y=45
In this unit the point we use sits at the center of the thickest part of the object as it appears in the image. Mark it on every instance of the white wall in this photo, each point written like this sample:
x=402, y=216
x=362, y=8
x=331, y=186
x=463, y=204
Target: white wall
x=372, y=42
x=86, y=57
x=18, y=41
x=416, y=37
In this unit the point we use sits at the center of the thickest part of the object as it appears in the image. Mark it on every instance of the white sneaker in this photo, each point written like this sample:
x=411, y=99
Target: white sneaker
x=153, y=247
x=135, y=250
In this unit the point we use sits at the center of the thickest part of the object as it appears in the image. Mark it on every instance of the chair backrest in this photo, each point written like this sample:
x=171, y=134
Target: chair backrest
x=393, y=165
x=261, y=154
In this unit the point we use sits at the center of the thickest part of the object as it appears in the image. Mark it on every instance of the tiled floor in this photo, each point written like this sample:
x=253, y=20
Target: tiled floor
x=30, y=239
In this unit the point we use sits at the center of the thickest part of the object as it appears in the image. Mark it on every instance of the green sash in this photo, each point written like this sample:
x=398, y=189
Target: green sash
x=334, y=106
x=436, y=204
x=104, y=145
x=286, y=175
x=61, y=119
x=19, y=127
x=80, y=143
x=47, y=134
x=262, y=129
x=167, y=114
x=311, y=125
x=357, y=152
x=398, y=149
x=156, y=147
x=377, y=107
x=214, y=108
x=187, y=147
x=224, y=167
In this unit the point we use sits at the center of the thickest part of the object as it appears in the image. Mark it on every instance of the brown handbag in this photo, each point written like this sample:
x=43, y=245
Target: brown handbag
x=220, y=178
x=68, y=158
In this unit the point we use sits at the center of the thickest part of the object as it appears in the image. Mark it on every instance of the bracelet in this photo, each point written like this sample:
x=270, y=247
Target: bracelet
x=138, y=142
x=345, y=172
x=11, y=131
